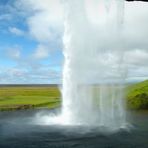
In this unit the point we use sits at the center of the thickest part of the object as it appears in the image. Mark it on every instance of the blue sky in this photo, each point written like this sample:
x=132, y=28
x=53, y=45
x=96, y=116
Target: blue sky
x=23, y=57
x=31, y=41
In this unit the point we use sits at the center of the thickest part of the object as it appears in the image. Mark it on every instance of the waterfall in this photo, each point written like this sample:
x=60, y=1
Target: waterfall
x=93, y=72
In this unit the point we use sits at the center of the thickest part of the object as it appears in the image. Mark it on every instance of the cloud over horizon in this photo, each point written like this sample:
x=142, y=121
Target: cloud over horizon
x=38, y=40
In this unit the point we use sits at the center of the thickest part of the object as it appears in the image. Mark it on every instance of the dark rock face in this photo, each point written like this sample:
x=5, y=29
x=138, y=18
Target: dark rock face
x=138, y=0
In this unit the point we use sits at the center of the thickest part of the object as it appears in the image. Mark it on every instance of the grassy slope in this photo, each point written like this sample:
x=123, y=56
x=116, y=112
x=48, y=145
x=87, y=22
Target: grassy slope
x=137, y=95
x=28, y=97
x=12, y=98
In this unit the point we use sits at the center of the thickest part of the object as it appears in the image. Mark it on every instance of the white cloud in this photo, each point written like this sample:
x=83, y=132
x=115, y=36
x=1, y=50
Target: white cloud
x=14, y=53
x=41, y=52
x=16, y=31
x=21, y=75
x=5, y=17
x=45, y=18
x=135, y=25
x=45, y=22
x=136, y=63
x=14, y=72
x=137, y=57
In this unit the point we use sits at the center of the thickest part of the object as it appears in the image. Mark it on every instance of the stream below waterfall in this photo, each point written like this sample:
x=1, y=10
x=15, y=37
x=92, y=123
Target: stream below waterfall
x=17, y=130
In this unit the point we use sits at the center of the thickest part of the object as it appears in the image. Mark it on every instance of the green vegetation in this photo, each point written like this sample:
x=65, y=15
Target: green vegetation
x=137, y=95
x=15, y=98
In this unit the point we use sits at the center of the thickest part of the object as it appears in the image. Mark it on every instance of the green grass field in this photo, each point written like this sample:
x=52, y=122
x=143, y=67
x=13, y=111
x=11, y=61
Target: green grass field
x=15, y=98
x=137, y=95
x=26, y=97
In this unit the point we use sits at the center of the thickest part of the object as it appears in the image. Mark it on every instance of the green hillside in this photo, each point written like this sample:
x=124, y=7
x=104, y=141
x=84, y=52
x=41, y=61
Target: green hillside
x=17, y=98
x=137, y=95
